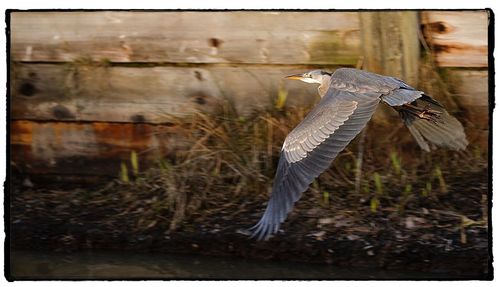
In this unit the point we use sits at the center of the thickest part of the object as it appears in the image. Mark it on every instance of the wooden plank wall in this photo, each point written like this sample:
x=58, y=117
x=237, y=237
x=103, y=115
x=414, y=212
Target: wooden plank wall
x=89, y=87
x=459, y=41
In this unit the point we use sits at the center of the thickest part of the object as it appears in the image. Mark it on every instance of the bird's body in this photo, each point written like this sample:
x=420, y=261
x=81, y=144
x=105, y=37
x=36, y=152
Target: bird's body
x=349, y=97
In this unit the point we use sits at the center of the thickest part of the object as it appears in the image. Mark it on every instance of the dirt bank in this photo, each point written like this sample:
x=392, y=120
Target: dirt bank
x=345, y=231
x=412, y=210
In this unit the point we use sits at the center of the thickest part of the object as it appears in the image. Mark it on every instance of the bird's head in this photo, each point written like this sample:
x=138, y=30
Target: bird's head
x=312, y=77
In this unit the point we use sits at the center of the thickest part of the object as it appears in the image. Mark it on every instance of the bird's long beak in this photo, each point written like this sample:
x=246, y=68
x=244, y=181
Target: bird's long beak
x=294, y=77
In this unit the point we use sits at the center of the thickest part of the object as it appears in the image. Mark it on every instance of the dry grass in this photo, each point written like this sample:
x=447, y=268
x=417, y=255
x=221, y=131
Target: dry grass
x=231, y=162
x=220, y=185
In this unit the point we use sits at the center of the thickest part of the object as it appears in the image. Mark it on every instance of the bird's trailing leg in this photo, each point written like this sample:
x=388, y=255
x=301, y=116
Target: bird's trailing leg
x=425, y=113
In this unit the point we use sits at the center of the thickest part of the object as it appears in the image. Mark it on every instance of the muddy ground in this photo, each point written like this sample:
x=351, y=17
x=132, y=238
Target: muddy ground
x=344, y=231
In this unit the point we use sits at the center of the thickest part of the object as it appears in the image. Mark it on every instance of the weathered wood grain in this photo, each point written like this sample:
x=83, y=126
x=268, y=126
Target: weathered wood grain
x=471, y=91
x=390, y=44
x=459, y=38
x=192, y=37
x=152, y=95
x=135, y=94
x=70, y=148
x=390, y=47
x=471, y=86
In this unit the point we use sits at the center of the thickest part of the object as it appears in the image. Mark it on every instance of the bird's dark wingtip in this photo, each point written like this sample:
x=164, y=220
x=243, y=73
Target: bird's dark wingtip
x=260, y=231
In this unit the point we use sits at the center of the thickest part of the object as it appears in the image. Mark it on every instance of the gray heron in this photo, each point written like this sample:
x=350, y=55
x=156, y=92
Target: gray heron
x=349, y=98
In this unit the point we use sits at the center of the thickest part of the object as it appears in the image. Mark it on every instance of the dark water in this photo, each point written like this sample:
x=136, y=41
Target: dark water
x=128, y=265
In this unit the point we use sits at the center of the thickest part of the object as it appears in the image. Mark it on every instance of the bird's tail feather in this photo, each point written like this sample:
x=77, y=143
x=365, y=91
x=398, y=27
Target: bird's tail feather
x=440, y=129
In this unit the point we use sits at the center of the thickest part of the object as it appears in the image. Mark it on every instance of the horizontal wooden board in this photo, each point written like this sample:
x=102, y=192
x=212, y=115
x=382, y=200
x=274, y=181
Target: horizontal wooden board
x=471, y=92
x=150, y=94
x=459, y=38
x=88, y=148
x=471, y=87
x=72, y=150
x=153, y=94
x=192, y=37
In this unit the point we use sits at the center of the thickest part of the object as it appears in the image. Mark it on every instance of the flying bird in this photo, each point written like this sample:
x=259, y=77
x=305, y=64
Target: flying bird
x=349, y=98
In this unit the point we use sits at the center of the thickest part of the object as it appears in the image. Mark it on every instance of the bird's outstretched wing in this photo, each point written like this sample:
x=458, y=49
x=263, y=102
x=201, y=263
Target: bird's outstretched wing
x=311, y=147
x=447, y=132
x=394, y=91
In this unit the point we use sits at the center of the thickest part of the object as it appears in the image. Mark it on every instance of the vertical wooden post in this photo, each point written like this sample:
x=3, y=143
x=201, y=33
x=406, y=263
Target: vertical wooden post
x=390, y=44
x=371, y=44
x=410, y=45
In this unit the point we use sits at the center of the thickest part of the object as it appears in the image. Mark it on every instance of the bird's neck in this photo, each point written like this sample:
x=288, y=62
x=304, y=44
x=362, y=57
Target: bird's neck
x=325, y=84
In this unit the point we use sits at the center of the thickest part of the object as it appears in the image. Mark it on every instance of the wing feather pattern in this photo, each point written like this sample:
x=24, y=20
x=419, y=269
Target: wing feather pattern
x=342, y=113
x=447, y=132
x=310, y=149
